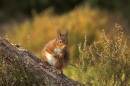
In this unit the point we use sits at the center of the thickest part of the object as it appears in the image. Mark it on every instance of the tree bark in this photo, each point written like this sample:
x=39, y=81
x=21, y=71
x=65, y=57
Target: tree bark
x=18, y=67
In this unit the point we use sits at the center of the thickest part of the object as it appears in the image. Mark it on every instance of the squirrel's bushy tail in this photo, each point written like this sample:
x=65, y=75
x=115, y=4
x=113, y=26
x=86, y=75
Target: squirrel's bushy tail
x=66, y=58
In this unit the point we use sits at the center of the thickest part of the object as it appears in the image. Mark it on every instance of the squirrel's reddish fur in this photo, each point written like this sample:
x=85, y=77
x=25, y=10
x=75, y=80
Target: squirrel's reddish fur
x=55, y=52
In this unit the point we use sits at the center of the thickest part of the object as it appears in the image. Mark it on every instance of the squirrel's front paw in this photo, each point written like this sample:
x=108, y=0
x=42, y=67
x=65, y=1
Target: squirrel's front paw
x=60, y=55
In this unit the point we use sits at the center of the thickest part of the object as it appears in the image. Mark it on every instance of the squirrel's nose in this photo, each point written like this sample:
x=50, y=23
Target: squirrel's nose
x=64, y=46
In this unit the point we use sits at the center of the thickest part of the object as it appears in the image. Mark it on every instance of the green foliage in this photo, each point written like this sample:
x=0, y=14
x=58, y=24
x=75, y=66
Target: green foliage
x=107, y=65
x=120, y=6
x=26, y=6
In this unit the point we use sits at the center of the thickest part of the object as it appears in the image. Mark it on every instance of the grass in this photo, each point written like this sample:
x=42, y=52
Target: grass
x=106, y=65
x=94, y=63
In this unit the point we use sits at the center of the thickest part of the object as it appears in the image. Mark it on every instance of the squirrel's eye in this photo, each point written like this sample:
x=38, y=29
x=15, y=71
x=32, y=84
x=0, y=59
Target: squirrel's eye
x=60, y=41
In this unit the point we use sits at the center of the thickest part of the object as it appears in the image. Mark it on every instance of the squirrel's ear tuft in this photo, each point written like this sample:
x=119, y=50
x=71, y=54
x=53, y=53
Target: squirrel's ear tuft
x=58, y=33
x=67, y=32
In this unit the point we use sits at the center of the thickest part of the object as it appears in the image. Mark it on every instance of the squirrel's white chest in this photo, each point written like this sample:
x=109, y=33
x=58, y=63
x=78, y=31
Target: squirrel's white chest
x=51, y=59
x=57, y=51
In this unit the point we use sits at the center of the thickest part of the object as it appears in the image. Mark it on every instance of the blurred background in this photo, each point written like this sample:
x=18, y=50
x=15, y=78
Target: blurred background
x=32, y=23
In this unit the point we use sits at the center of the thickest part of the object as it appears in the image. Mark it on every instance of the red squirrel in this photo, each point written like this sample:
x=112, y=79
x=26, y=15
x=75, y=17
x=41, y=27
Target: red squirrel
x=55, y=52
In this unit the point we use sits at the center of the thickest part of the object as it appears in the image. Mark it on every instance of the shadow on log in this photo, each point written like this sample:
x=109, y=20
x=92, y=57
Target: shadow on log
x=18, y=67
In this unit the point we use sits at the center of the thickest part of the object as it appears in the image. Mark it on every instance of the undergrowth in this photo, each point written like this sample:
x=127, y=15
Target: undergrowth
x=105, y=62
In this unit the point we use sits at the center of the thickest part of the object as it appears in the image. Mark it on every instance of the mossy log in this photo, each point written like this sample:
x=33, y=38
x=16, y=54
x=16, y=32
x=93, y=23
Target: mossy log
x=19, y=67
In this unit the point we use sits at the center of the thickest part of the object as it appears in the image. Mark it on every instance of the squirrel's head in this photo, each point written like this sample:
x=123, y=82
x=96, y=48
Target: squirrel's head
x=62, y=40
